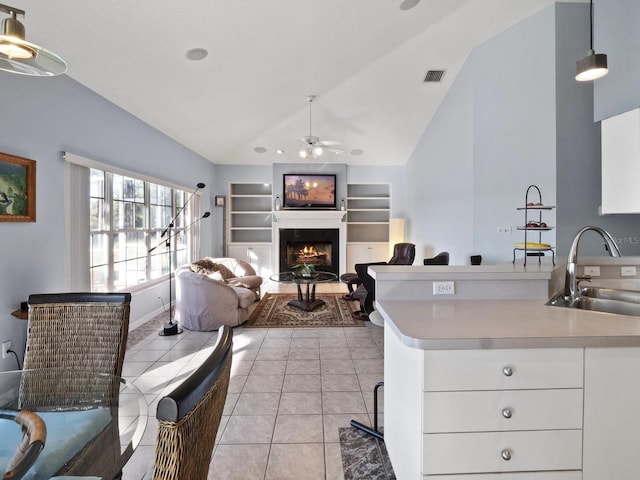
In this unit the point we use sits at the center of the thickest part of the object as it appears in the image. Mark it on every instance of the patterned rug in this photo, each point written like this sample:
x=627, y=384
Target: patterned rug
x=364, y=456
x=273, y=311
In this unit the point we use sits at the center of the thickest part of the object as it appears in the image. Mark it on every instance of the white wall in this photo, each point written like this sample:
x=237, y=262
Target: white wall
x=40, y=118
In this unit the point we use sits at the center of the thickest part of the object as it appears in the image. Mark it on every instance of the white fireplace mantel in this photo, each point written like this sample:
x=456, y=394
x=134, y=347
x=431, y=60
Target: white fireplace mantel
x=311, y=219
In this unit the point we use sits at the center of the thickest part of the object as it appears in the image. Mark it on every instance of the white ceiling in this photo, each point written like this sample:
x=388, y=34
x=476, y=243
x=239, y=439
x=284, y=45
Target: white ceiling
x=364, y=59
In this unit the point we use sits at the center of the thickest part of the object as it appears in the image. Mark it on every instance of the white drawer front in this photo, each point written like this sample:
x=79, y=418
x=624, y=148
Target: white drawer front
x=575, y=475
x=500, y=410
x=483, y=452
x=446, y=370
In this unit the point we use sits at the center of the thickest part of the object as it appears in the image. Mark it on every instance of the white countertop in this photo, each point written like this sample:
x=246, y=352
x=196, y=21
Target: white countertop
x=482, y=324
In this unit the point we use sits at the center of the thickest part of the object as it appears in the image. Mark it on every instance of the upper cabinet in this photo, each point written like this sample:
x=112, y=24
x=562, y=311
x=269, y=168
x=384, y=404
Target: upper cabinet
x=621, y=163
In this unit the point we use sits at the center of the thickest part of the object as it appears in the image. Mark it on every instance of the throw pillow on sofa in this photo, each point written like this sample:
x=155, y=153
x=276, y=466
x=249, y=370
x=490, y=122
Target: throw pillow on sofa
x=213, y=270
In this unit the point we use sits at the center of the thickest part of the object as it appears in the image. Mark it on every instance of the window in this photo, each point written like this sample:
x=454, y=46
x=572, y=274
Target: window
x=131, y=239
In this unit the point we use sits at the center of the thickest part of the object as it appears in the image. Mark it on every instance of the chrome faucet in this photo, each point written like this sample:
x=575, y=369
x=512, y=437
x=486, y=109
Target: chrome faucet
x=571, y=279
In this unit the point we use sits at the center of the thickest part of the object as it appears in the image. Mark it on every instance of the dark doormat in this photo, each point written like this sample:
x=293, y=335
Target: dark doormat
x=364, y=456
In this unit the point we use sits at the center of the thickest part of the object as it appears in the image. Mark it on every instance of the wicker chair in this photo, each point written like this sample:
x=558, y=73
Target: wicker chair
x=71, y=333
x=34, y=435
x=190, y=415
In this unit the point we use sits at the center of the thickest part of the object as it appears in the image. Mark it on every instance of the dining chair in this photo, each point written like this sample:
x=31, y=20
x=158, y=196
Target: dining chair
x=85, y=331
x=69, y=333
x=31, y=443
x=190, y=415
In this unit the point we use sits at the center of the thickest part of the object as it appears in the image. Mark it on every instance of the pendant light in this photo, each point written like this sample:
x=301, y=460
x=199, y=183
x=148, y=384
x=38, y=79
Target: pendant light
x=594, y=65
x=20, y=56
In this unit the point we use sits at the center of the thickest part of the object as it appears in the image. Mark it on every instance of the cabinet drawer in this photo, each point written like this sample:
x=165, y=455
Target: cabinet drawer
x=501, y=410
x=574, y=475
x=446, y=370
x=483, y=452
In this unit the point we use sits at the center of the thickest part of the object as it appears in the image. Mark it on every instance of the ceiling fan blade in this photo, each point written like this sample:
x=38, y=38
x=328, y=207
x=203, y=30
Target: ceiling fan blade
x=329, y=143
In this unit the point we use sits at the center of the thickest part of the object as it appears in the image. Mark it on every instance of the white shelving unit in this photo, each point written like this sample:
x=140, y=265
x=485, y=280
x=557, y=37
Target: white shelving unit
x=251, y=225
x=368, y=213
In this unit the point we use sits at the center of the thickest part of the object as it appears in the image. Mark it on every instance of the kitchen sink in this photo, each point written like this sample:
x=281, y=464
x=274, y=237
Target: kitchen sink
x=611, y=294
x=607, y=300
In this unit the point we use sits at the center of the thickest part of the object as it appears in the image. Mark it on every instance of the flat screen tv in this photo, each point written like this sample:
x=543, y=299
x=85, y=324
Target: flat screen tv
x=309, y=190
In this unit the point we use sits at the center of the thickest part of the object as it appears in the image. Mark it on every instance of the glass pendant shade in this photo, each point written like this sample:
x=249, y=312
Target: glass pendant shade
x=591, y=67
x=22, y=57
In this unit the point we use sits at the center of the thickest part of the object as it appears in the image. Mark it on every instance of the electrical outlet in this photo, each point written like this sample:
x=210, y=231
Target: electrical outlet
x=592, y=271
x=444, y=288
x=503, y=230
x=6, y=346
x=629, y=271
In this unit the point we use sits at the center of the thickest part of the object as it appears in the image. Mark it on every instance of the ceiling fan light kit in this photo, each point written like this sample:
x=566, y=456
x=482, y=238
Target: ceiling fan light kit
x=312, y=146
x=21, y=57
x=594, y=65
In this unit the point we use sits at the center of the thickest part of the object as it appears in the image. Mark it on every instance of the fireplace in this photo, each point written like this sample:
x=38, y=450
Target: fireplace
x=318, y=246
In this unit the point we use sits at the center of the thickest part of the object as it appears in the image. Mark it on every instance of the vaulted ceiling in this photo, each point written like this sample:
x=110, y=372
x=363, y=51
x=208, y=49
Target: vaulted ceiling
x=366, y=61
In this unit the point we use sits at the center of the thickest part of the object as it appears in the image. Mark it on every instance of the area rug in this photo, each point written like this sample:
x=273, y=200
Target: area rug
x=273, y=312
x=364, y=456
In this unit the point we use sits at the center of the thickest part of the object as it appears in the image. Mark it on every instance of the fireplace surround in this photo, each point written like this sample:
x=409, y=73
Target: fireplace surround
x=312, y=220
x=317, y=246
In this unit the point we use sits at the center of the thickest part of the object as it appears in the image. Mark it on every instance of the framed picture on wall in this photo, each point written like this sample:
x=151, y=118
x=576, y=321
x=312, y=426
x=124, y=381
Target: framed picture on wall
x=17, y=189
x=220, y=200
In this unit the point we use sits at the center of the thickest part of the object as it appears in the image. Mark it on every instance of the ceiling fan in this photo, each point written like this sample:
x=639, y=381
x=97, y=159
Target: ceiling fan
x=312, y=146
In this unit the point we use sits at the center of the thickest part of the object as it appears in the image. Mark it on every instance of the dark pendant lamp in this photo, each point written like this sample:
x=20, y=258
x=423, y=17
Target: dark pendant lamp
x=594, y=65
x=22, y=57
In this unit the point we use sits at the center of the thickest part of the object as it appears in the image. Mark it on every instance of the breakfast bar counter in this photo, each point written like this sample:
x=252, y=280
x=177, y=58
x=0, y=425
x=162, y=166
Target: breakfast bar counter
x=484, y=388
x=472, y=324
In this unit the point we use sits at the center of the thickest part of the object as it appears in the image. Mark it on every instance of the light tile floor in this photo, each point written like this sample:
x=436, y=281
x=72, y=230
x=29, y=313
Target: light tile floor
x=291, y=390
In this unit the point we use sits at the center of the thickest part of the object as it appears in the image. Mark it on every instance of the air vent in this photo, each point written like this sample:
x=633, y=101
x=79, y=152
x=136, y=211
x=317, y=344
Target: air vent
x=434, y=76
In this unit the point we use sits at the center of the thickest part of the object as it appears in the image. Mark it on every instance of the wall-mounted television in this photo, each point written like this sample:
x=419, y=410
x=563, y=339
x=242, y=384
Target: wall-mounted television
x=309, y=190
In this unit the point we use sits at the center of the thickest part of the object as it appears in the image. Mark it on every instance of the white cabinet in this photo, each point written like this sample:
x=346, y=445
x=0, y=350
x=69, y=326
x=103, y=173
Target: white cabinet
x=366, y=253
x=258, y=256
x=483, y=412
x=621, y=163
x=611, y=417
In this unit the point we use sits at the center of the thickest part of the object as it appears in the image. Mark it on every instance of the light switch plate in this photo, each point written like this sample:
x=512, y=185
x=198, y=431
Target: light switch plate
x=592, y=271
x=629, y=271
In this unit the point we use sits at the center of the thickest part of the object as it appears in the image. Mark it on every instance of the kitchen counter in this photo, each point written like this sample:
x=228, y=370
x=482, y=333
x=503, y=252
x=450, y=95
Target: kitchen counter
x=489, y=381
x=473, y=324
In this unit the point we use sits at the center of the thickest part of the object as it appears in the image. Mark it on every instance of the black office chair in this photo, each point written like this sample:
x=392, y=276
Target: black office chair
x=440, y=259
x=404, y=254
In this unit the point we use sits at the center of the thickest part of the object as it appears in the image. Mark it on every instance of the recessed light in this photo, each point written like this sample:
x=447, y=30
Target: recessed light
x=357, y=151
x=279, y=151
x=408, y=4
x=260, y=150
x=196, y=54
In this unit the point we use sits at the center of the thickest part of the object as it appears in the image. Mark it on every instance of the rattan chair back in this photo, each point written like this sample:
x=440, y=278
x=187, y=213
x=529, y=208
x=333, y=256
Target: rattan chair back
x=73, y=332
x=190, y=415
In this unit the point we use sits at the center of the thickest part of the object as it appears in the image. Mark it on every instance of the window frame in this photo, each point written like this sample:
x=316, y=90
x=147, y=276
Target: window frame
x=181, y=239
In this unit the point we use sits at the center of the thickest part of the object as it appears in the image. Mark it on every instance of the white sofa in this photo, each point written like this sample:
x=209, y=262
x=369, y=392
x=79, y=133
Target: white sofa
x=215, y=291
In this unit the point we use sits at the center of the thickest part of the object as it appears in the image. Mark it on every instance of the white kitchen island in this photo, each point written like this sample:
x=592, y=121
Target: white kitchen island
x=507, y=388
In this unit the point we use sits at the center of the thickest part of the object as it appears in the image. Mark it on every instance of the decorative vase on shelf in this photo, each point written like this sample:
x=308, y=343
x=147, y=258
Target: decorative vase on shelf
x=342, y=205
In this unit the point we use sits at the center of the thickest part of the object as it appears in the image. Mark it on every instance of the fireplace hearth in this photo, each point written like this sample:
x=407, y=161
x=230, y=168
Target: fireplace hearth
x=316, y=246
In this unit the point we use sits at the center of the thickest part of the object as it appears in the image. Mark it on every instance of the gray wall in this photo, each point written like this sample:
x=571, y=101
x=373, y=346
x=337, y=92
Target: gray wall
x=492, y=137
x=40, y=118
x=578, y=136
x=616, y=34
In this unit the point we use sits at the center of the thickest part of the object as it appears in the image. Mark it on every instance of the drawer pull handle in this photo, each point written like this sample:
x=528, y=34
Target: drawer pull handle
x=508, y=371
x=507, y=413
x=506, y=455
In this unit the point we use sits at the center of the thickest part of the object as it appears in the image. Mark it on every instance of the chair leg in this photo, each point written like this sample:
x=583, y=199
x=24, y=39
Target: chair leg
x=372, y=431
